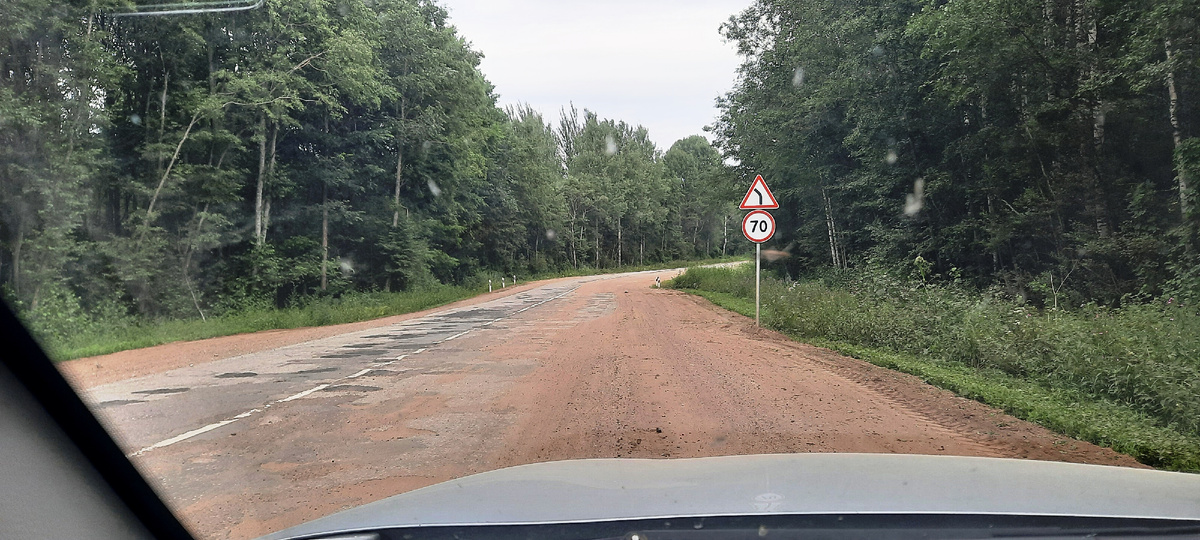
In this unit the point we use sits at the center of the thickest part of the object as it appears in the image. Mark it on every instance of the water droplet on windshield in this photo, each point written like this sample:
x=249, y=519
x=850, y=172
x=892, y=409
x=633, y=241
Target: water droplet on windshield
x=347, y=266
x=877, y=51
x=798, y=78
x=610, y=145
x=135, y=119
x=434, y=189
x=551, y=235
x=915, y=200
x=891, y=157
x=425, y=146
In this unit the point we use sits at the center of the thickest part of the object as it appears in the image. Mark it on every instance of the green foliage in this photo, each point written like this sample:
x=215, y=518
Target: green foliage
x=1122, y=377
x=1020, y=142
x=199, y=166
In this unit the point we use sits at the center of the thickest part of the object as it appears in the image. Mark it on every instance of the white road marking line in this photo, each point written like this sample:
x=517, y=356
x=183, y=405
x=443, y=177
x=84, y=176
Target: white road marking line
x=304, y=393
x=200, y=431
x=184, y=436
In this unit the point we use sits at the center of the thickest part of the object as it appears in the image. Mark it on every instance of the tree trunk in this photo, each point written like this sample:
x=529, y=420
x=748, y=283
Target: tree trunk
x=262, y=173
x=396, y=195
x=187, y=262
x=619, y=243
x=571, y=237
x=1176, y=132
x=266, y=167
x=163, y=179
x=597, y=233
x=266, y=219
x=724, y=234
x=831, y=228
x=162, y=113
x=325, y=234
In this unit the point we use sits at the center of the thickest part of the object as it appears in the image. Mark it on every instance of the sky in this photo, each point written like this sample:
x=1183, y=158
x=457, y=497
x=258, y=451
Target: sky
x=658, y=63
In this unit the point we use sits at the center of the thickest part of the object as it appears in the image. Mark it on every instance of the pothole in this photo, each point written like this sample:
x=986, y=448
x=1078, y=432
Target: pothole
x=350, y=388
x=316, y=370
x=161, y=391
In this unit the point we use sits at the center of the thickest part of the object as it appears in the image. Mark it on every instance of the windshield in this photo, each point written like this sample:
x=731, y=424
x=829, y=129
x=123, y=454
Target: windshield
x=304, y=255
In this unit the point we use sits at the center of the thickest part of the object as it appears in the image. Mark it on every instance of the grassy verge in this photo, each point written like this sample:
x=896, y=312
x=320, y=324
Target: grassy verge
x=863, y=325
x=109, y=338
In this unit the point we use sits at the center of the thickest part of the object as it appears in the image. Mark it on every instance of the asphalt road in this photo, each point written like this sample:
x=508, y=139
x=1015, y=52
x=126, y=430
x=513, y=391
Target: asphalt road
x=165, y=409
x=572, y=368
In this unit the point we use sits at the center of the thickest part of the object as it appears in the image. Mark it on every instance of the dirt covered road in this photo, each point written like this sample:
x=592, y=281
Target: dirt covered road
x=274, y=435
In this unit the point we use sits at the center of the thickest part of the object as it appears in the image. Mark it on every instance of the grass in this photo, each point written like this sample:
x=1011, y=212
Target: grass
x=100, y=338
x=1110, y=377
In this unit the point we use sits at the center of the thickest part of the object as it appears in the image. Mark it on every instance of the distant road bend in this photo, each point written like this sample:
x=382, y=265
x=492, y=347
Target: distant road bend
x=250, y=434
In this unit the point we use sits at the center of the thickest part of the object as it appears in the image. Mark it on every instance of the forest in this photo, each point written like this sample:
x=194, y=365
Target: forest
x=186, y=166
x=1045, y=149
x=197, y=165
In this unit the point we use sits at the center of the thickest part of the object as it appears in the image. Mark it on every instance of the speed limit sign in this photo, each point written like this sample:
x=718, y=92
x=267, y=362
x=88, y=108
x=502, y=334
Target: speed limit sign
x=758, y=226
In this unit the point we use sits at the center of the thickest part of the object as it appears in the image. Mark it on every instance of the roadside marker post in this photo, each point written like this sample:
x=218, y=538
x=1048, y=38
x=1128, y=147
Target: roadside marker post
x=758, y=226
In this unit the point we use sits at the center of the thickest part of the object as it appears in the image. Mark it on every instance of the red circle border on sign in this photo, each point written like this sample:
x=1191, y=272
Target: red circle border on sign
x=769, y=217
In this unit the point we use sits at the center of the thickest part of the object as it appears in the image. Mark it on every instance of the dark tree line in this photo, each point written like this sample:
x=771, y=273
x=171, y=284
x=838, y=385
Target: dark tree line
x=191, y=165
x=1046, y=146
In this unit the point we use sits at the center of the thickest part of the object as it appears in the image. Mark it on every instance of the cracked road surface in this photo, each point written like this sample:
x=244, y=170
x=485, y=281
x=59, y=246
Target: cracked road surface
x=251, y=434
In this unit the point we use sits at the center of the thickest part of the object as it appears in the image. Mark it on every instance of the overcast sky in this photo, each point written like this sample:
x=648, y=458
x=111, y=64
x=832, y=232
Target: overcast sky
x=658, y=63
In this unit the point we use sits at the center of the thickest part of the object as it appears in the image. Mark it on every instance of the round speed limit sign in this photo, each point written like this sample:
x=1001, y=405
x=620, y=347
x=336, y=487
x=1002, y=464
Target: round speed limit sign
x=758, y=226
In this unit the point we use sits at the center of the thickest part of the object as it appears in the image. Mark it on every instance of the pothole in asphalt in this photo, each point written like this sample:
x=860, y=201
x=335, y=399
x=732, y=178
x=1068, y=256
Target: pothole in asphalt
x=359, y=353
x=482, y=314
x=316, y=370
x=161, y=391
x=350, y=388
x=118, y=402
x=236, y=375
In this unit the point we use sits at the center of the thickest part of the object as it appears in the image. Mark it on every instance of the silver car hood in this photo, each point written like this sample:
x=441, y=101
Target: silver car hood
x=614, y=489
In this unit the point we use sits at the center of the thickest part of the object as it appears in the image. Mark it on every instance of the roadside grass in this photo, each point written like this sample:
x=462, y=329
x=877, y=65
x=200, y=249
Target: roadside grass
x=1081, y=373
x=102, y=337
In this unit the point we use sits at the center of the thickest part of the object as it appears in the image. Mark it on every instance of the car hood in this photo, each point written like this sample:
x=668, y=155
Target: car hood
x=614, y=489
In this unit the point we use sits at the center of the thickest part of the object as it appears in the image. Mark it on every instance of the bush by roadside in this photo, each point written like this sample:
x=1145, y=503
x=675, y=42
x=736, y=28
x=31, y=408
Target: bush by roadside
x=1126, y=378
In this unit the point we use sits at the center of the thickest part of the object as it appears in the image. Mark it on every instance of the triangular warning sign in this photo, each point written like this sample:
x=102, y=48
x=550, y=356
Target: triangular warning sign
x=759, y=197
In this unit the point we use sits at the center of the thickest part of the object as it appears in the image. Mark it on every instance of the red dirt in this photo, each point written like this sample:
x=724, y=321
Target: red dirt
x=671, y=375
x=615, y=369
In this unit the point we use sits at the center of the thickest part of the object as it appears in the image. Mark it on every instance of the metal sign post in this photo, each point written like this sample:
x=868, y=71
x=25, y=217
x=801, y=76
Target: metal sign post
x=758, y=226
